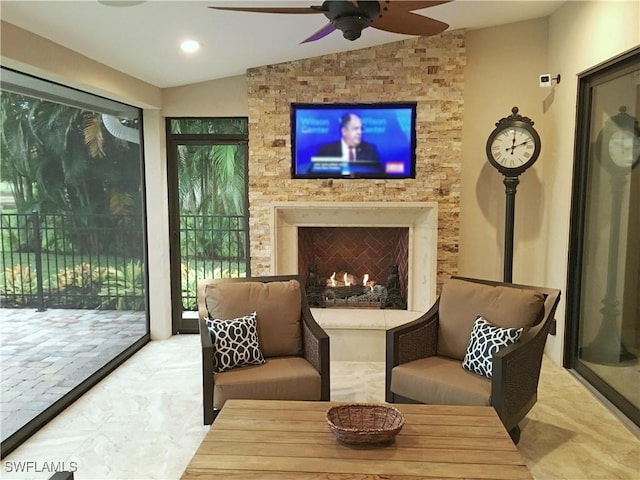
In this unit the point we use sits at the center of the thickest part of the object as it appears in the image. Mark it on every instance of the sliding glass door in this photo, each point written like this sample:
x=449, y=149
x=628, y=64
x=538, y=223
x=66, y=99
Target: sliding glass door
x=603, y=342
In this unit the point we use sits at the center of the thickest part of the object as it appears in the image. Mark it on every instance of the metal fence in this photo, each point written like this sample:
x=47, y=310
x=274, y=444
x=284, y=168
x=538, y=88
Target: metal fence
x=211, y=246
x=72, y=261
x=97, y=261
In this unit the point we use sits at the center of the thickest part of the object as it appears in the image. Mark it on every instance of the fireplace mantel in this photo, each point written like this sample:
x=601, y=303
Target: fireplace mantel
x=421, y=218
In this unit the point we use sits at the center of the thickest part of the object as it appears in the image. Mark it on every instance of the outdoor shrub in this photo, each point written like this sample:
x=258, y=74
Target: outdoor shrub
x=191, y=276
x=56, y=241
x=189, y=283
x=124, y=288
x=19, y=284
x=212, y=236
x=81, y=277
x=17, y=233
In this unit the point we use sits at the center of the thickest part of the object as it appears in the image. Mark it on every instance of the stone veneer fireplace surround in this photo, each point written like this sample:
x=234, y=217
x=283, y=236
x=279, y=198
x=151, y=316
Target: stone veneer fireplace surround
x=428, y=70
x=419, y=217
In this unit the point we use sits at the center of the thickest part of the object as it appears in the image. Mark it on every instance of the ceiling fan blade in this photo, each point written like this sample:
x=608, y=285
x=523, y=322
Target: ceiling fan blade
x=411, y=5
x=391, y=15
x=296, y=10
x=323, y=32
x=409, y=23
x=398, y=17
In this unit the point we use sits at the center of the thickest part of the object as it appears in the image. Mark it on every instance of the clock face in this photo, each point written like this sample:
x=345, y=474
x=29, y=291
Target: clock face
x=624, y=148
x=514, y=148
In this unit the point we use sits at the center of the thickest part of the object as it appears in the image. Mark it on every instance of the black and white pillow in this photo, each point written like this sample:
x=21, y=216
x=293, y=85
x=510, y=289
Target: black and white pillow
x=235, y=342
x=486, y=340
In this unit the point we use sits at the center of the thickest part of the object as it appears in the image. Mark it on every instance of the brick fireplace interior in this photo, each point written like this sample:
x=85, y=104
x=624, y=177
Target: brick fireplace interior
x=355, y=250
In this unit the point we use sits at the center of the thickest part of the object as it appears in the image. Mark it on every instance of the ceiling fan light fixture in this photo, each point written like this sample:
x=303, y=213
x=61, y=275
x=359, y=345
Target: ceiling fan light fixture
x=351, y=26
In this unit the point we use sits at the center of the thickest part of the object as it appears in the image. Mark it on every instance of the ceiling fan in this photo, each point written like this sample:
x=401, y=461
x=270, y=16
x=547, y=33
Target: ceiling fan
x=352, y=16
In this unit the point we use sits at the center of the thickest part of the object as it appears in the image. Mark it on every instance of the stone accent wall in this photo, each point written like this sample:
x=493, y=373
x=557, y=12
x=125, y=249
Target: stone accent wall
x=428, y=70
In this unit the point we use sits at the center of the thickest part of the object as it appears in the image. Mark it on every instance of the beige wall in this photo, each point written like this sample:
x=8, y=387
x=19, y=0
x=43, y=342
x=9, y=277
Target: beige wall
x=503, y=65
x=226, y=97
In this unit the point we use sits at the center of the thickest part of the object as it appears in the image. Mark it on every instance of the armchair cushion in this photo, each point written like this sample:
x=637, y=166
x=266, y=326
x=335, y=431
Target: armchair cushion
x=278, y=307
x=486, y=340
x=282, y=378
x=235, y=343
x=461, y=302
x=440, y=381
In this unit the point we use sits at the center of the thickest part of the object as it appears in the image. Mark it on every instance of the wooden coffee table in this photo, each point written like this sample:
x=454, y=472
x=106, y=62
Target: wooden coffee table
x=285, y=440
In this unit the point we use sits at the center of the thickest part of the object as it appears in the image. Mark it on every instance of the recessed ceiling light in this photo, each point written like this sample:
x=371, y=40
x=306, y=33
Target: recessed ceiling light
x=190, y=46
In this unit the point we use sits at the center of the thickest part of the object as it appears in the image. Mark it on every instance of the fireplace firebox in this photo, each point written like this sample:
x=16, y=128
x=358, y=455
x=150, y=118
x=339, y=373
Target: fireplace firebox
x=354, y=266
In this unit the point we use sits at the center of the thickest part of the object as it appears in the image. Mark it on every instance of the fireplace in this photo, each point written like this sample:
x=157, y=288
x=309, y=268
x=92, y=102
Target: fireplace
x=414, y=222
x=354, y=266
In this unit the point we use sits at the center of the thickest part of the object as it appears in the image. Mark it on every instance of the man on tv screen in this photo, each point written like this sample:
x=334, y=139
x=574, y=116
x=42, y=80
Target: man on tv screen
x=355, y=154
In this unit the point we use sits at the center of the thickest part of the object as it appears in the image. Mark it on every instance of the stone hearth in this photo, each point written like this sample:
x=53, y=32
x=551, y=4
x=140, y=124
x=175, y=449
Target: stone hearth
x=419, y=217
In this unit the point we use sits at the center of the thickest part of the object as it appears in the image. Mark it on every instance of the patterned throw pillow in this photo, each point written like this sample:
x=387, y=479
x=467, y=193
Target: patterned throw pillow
x=235, y=342
x=486, y=340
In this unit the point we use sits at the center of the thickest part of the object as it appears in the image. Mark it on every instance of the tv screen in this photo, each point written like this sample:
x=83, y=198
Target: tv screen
x=353, y=140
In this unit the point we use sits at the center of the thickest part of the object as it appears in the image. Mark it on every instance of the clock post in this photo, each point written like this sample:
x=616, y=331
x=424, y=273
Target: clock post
x=510, y=186
x=512, y=147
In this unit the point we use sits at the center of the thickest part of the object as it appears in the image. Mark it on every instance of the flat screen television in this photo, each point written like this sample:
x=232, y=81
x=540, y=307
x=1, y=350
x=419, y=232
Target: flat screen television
x=385, y=147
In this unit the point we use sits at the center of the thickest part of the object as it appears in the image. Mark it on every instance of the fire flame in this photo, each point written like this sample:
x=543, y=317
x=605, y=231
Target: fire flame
x=348, y=280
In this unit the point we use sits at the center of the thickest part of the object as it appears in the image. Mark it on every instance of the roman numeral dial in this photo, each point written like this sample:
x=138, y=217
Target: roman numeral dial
x=514, y=145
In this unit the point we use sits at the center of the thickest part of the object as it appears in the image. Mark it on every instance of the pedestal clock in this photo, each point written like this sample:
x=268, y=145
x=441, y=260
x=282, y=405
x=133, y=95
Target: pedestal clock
x=512, y=147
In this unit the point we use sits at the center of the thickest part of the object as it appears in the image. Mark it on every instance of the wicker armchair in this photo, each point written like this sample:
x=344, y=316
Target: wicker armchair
x=295, y=348
x=424, y=357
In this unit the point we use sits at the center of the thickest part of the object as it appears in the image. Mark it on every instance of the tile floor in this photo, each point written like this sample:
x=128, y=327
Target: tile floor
x=144, y=421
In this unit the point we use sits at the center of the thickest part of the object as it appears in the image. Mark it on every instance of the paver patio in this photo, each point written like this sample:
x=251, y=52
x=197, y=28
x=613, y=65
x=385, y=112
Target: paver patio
x=43, y=355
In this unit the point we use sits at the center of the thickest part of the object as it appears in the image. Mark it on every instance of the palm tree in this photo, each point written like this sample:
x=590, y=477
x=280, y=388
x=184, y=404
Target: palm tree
x=18, y=150
x=211, y=178
x=59, y=160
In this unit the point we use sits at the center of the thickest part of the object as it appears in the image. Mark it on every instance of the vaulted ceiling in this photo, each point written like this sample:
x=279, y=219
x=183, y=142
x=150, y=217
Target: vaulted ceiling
x=142, y=38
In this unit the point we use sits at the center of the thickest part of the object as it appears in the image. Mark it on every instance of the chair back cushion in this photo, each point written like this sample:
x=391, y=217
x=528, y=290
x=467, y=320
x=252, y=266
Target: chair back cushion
x=277, y=304
x=461, y=302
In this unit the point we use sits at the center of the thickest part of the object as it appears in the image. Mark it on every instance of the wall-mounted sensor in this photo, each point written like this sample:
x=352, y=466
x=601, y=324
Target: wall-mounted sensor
x=546, y=79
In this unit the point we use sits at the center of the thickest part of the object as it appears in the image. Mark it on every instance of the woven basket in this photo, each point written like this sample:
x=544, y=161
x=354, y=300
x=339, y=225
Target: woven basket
x=364, y=423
